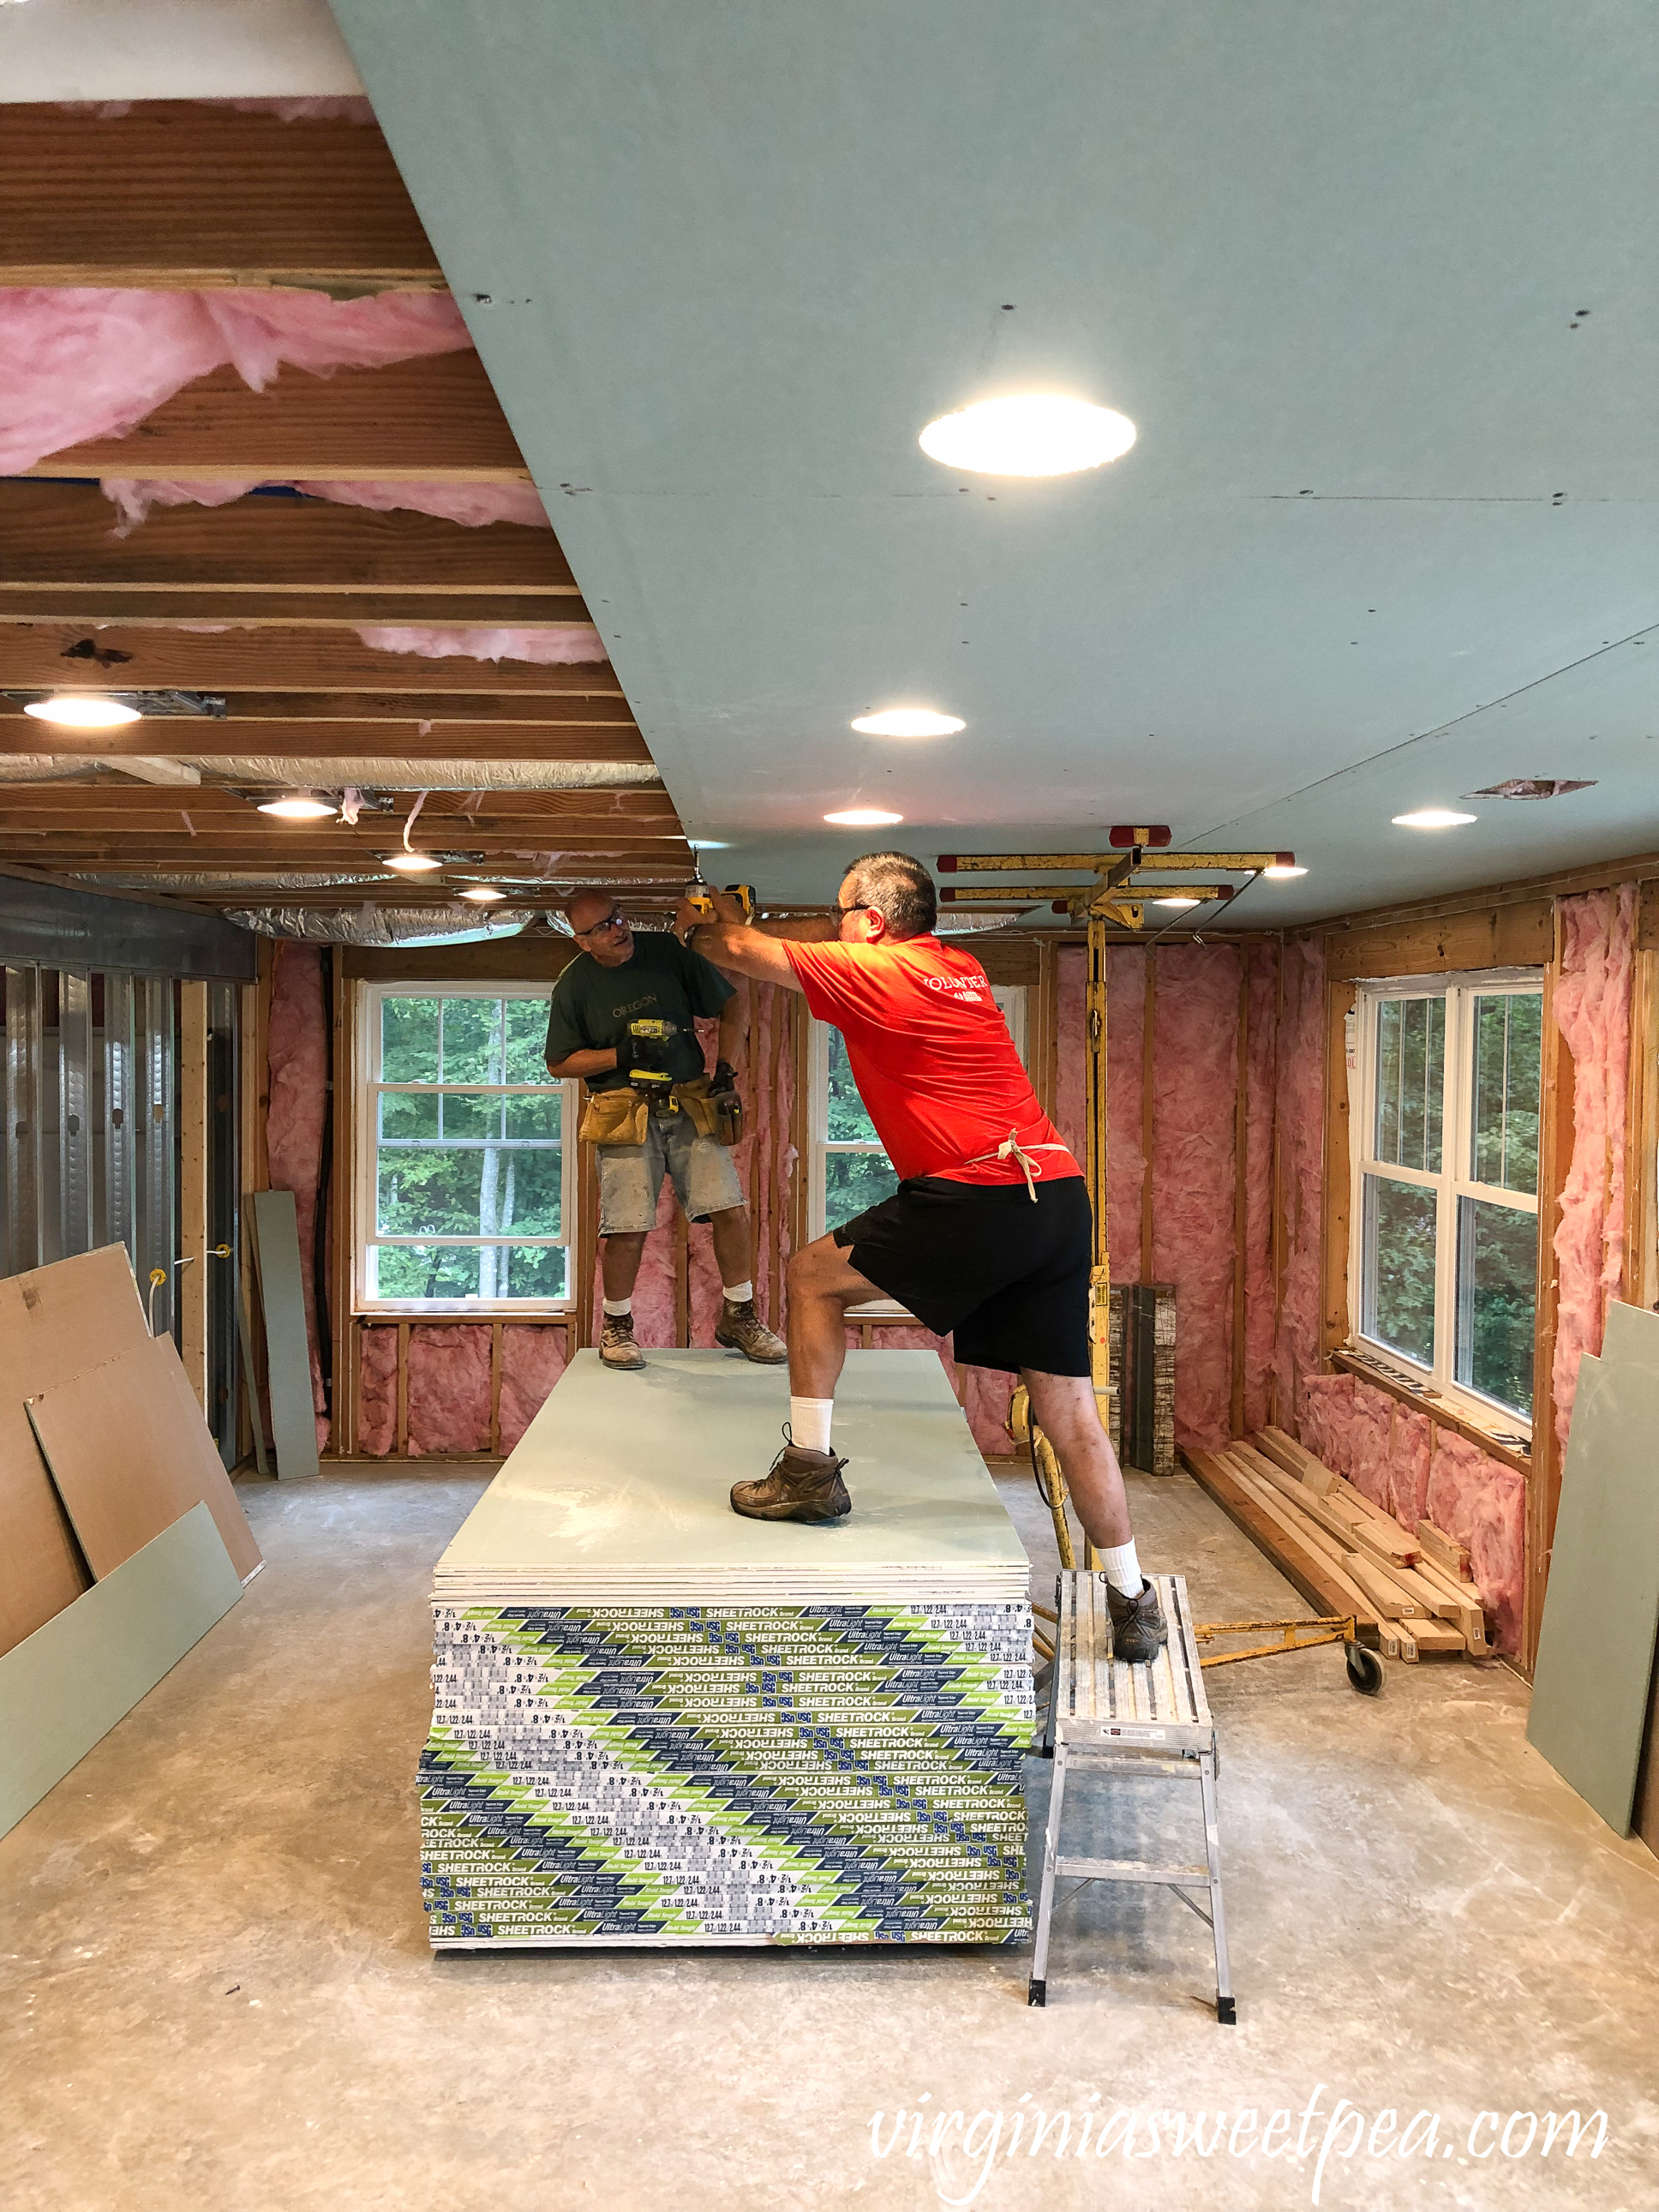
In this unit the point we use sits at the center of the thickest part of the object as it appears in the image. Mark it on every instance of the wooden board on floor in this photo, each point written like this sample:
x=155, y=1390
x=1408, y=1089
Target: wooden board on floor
x=1595, y=1644
x=67, y=1685
x=1305, y=1570
x=129, y=1454
x=54, y=1321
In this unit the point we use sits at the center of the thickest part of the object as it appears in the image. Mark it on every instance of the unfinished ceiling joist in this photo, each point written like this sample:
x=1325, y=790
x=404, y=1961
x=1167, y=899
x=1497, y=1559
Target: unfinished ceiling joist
x=103, y=603
x=178, y=193
x=44, y=656
x=338, y=743
x=433, y=419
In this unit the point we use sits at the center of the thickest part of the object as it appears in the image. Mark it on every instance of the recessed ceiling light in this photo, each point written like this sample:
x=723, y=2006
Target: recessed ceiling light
x=299, y=806
x=1177, y=902
x=84, y=710
x=412, y=864
x=1036, y=434
x=1432, y=818
x=909, y=722
x=1278, y=872
x=862, y=817
x=483, y=894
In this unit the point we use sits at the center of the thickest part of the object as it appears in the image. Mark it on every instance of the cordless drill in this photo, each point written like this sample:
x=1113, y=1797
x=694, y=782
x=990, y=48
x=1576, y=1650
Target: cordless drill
x=698, y=897
x=649, y=1041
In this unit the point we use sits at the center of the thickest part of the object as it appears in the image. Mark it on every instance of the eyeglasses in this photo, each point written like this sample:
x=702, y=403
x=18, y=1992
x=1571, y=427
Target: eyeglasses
x=616, y=919
x=859, y=906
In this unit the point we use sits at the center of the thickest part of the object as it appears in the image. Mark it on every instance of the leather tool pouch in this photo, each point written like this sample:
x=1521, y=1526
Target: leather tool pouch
x=616, y=1116
x=696, y=1102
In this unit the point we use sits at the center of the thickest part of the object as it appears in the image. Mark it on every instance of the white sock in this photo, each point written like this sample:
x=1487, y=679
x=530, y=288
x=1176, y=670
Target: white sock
x=617, y=1307
x=1122, y=1569
x=809, y=1423
x=737, y=1294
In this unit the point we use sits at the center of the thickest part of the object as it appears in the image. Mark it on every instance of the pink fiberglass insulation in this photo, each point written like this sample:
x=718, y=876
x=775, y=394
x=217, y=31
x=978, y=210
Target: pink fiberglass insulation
x=1194, y=1074
x=1327, y=1427
x=656, y=1319
x=545, y=647
x=1299, y=1092
x=532, y=1360
x=1482, y=1503
x=1414, y=1447
x=298, y=1047
x=1262, y=1044
x=474, y=505
x=448, y=1388
x=377, y=1392
x=1592, y=1004
x=1070, y=1046
x=1371, y=1448
x=79, y=363
x=1126, y=1155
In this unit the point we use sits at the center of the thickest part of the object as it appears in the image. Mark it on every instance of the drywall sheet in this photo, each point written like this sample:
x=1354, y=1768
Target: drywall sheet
x=54, y=1321
x=64, y=1688
x=1595, y=1646
x=281, y=1294
x=129, y=1453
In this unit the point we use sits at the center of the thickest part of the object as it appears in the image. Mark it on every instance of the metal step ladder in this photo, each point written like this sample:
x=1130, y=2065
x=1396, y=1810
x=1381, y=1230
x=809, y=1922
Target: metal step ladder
x=1149, y=1722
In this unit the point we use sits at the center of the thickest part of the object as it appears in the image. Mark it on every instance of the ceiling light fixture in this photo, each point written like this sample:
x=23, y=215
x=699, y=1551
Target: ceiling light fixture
x=299, y=806
x=863, y=817
x=1177, y=902
x=1035, y=433
x=1432, y=818
x=483, y=894
x=909, y=722
x=1280, y=872
x=412, y=864
x=84, y=710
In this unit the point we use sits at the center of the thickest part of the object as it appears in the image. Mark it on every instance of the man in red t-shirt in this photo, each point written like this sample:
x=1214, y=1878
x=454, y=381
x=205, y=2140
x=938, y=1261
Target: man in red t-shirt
x=988, y=1234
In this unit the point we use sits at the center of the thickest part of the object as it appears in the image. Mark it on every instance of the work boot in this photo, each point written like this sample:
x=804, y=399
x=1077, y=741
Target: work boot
x=1139, y=1628
x=616, y=1346
x=740, y=1329
x=801, y=1485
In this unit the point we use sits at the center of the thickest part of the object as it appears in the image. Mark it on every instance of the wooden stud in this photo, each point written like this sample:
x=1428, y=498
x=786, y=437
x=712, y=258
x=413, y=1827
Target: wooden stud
x=192, y=1280
x=1241, y=1192
x=1278, y=1413
x=609, y=737
x=1555, y=1140
x=587, y=1253
x=341, y=1200
x=563, y=692
x=495, y=1387
x=1340, y=1000
x=1147, y=1039
x=284, y=610
x=43, y=655
x=1641, y=1282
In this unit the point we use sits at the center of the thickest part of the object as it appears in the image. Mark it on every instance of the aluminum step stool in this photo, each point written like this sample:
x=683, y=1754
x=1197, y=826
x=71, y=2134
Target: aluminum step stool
x=1148, y=1722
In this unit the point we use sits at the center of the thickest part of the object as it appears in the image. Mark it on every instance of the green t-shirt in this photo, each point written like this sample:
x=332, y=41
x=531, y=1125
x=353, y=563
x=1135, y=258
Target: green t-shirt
x=592, y=1006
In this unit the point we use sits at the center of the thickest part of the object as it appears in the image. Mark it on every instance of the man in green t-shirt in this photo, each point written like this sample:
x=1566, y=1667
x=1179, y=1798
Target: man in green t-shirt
x=626, y=1009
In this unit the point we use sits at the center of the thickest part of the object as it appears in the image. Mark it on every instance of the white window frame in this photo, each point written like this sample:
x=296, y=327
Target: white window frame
x=1453, y=1183
x=368, y=1089
x=1011, y=998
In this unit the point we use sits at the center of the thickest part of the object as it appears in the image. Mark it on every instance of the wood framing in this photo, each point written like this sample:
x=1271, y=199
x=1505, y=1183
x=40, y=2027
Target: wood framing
x=598, y=731
x=283, y=609
x=433, y=419
x=339, y=1199
x=1555, y=1137
x=1642, y=1172
x=192, y=1277
x=1514, y=936
x=180, y=194
x=1148, y=1037
x=1240, y=1190
x=44, y=656
x=563, y=694
x=1339, y=999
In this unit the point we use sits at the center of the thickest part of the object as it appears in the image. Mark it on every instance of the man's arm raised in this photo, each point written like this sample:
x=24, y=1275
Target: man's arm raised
x=729, y=943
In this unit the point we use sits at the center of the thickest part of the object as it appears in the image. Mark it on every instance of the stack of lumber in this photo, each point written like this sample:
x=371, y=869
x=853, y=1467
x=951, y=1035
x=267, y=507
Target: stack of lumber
x=656, y=1722
x=1410, y=1592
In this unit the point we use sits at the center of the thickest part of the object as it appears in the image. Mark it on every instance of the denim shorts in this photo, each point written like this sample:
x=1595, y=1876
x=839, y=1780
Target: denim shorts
x=630, y=1175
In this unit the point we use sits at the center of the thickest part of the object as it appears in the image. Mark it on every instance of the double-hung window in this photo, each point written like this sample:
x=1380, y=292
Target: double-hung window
x=1445, y=1222
x=849, y=1169
x=465, y=1184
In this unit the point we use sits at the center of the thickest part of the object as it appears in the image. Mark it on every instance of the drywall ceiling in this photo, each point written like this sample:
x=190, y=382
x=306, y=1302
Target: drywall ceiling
x=171, y=50
x=1373, y=283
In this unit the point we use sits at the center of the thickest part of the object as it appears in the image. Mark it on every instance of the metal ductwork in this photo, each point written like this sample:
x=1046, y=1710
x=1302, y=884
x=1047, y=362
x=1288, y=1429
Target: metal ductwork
x=304, y=774
x=370, y=924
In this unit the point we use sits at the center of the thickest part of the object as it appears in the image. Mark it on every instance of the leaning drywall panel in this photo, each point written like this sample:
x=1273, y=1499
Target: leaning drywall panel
x=293, y=1428
x=66, y=1686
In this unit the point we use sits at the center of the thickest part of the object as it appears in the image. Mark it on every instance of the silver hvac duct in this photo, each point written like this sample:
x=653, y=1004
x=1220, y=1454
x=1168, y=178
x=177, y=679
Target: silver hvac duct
x=302, y=773
x=370, y=924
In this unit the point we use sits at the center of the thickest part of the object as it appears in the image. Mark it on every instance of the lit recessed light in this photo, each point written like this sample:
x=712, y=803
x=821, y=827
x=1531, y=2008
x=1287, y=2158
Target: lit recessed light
x=483, y=894
x=412, y=864
x=1038, y=434
x=909, y=722
x=1177, y=902
x=1280, y=871
x=863, y=817
x=299, y=806
x=1433, y=817
x=84, y=710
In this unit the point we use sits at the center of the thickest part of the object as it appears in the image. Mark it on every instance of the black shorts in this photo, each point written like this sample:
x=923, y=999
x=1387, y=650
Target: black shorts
x=1010, y=1278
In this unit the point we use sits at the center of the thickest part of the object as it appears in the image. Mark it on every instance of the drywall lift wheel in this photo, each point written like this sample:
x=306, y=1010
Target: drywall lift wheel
x=1365, y=1669
x=1037, y=1994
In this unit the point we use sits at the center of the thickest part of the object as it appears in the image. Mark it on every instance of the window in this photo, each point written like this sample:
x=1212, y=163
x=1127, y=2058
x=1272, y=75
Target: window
x=1446, y=1211
x=465, y=1191
x=849, y=1169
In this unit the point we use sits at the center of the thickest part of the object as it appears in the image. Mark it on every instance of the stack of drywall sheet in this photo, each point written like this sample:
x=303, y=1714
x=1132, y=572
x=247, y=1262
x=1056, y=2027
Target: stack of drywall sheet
x=654, y=1722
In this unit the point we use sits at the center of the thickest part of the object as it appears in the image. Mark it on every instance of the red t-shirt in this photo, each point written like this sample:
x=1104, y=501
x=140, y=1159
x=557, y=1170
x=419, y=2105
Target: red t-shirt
x=932, y=1057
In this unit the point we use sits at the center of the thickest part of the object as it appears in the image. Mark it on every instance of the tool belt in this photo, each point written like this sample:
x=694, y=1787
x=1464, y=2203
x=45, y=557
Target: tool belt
x=621, y=1116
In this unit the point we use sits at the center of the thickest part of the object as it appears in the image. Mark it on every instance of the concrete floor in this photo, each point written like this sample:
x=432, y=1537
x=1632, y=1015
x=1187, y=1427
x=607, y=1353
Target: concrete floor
x=222, y=1997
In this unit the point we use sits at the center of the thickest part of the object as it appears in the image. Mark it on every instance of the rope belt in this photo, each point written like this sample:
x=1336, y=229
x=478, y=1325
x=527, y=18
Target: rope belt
x=1011, y=1149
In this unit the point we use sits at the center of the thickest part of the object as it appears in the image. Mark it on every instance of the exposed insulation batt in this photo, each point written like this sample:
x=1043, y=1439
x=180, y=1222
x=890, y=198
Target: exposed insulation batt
x=298, y=1047
x=1194, y=1073
x=656, y=1286
x=1592, y=1004
x=80, y=362
x=1261, y=1057
x=1413, y=1444
x=545, y=647
x=1126, y=1159
x=377, y=1392
x=1328, y=1419
x=1482, y=1503
x=532, y=1360
x=1071, y=992
x=448, y=1388
x=1300, y=1121
x=471, y=504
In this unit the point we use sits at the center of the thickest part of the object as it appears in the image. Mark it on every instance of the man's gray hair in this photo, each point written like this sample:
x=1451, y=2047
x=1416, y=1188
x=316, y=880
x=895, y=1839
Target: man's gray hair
x=899, y=888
